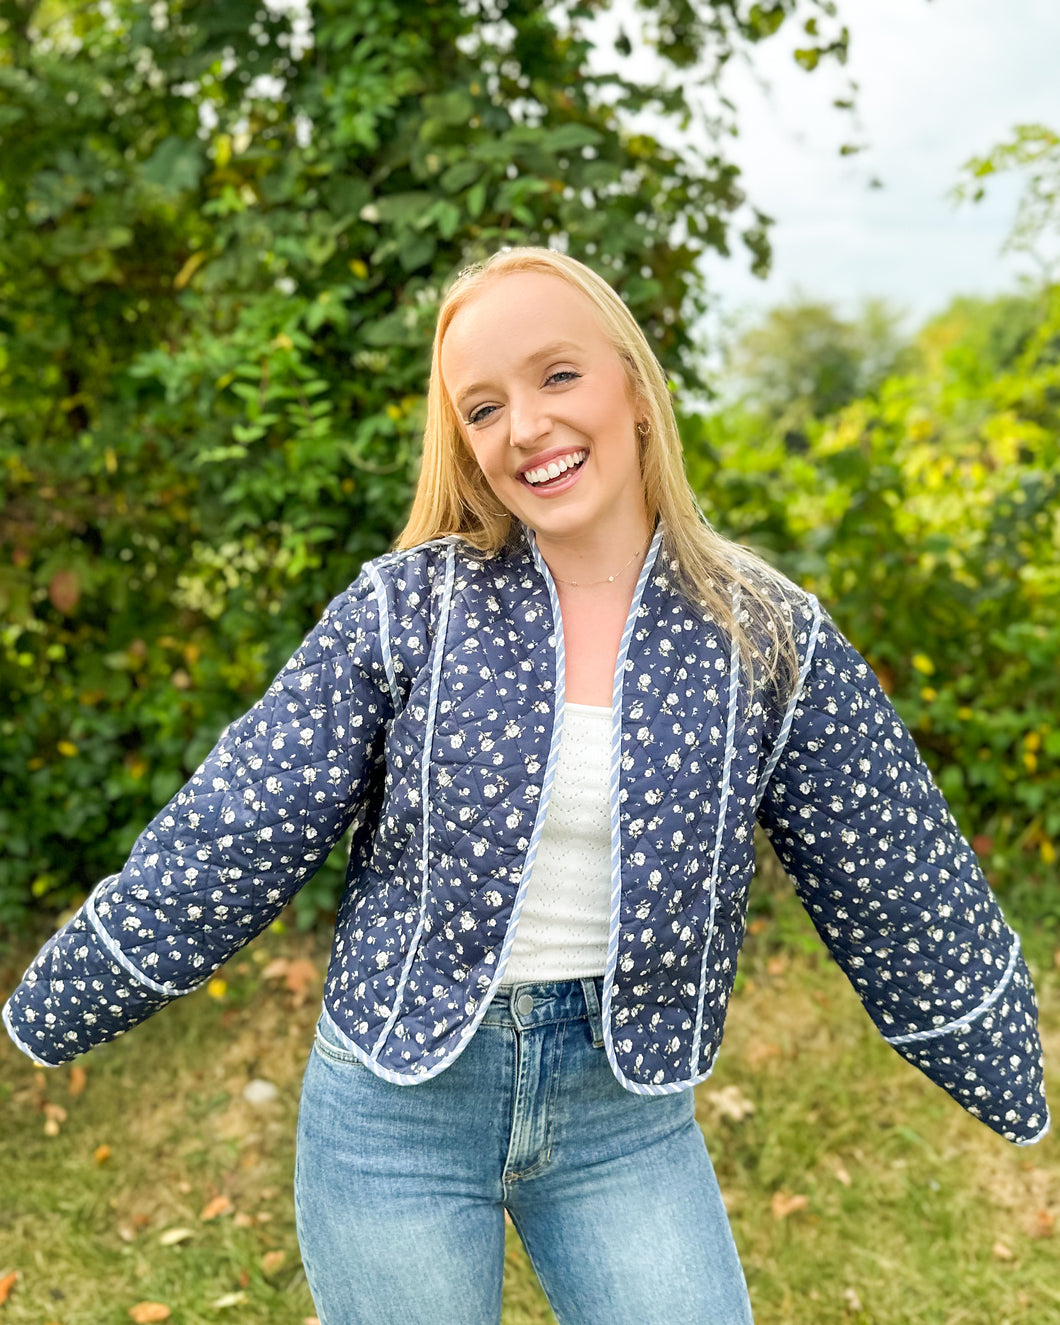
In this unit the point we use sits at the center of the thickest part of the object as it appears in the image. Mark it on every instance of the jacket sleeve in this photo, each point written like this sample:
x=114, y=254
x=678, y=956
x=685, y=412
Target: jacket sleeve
x=221, y=860
x=896, y=892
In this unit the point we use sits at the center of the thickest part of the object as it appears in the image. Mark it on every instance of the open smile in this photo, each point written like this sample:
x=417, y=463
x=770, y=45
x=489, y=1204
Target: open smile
x=561, y=483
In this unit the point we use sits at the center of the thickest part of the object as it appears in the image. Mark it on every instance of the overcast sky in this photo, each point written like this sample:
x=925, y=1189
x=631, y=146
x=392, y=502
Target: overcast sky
x=940, y=80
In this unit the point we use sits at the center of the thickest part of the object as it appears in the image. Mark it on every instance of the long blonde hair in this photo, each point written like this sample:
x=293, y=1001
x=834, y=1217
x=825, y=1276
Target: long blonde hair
x=452, y=496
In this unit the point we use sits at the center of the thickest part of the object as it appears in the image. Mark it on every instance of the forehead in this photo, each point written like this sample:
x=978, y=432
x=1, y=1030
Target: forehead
x=512, y=316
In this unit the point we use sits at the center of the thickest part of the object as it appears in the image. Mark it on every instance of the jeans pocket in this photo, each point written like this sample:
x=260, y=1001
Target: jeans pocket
x=325, y=1043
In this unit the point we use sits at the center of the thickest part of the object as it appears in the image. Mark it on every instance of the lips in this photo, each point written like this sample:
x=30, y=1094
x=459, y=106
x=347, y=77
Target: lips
x=559, y=485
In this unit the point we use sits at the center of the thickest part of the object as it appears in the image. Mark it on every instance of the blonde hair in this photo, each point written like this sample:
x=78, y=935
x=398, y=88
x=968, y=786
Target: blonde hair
x=453, y=497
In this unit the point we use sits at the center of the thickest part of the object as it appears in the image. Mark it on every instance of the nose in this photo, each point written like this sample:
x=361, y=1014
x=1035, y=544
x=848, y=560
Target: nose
x=528, y=419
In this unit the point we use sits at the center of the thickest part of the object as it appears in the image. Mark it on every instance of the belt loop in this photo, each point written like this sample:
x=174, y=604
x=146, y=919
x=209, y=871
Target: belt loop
x=592, y=1007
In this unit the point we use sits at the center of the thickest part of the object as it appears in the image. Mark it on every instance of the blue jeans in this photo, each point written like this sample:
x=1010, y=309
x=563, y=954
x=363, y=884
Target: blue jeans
x=400, y=1191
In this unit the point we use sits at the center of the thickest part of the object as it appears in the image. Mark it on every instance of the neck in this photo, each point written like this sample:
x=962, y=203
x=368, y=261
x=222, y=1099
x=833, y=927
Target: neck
x=599, y=562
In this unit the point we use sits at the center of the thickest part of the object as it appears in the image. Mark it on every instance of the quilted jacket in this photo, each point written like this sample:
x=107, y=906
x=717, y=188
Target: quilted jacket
x=425, y=712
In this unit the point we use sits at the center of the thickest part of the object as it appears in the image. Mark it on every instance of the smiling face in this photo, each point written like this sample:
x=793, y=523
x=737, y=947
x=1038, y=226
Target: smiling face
x=538, y=388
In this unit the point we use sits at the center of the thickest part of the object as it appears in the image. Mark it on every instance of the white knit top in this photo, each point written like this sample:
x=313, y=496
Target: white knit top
x=563, y=927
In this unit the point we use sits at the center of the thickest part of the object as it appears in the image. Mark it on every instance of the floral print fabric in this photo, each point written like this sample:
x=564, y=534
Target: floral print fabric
x=425, y=711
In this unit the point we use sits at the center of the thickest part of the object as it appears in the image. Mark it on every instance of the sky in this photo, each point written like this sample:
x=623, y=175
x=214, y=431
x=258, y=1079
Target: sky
x=939, y=81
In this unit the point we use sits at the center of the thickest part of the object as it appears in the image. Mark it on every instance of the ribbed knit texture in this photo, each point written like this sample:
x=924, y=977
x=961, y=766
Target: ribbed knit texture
x=562, y=930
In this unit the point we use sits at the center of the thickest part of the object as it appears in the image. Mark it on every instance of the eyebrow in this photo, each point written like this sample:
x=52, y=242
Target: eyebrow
x=545, y=352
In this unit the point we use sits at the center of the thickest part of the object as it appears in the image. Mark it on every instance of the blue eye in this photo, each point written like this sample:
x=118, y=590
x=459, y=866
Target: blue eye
x=561, y=375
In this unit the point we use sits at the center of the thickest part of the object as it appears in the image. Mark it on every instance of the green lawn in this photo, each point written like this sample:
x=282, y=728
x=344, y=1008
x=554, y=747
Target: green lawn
x=858, y=1192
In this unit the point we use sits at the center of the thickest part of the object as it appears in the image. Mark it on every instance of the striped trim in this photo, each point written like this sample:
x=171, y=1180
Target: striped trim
x=789, y=714
x=635, y=1087
x=384, y=634
x=20, y=1042
x=425, y=768
x=117, y=955
x=968, y=1017
x=1033, y=1140
x=723, y=805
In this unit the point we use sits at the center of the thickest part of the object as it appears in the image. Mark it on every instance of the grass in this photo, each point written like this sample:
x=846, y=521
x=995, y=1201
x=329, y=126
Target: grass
x=911, y=1213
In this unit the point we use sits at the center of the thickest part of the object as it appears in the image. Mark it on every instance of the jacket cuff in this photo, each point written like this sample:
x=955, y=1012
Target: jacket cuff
x=990, y=1061
x=75, y=996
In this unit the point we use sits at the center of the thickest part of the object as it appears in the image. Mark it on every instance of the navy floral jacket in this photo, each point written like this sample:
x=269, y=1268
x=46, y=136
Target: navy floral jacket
x=425, y=711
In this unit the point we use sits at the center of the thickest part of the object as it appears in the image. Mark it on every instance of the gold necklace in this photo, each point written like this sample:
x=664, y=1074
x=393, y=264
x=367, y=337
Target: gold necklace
x=582, y=584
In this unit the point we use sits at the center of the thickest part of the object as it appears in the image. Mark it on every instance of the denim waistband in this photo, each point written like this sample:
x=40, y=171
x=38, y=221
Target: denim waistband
x=540, y=1002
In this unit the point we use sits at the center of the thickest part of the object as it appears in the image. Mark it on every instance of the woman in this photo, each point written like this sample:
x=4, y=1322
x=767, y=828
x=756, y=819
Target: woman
x=552, y=717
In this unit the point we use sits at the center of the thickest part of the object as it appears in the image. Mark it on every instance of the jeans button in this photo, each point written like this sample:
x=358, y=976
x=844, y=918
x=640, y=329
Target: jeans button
x=524, y=1004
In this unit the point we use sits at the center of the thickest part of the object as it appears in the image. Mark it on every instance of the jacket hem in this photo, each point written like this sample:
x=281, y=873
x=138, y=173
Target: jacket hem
x=1033, y=1140
x=20, y=1042
x=115, y=952
x=976, y=1012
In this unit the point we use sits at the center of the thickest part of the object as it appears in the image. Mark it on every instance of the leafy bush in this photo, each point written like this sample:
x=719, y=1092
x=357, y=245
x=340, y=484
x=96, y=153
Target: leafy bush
x=225, y=231
x=927, y=519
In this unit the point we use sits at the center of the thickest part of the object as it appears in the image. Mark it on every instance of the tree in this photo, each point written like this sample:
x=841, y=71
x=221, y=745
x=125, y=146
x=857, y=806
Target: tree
x=802, y=361
x=1033, y=150
x=223, y=233
x=924, y=516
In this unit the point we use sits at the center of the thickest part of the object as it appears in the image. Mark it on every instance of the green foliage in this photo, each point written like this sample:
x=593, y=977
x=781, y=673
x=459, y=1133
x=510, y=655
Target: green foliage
x=803, y=362
x=223, y=235
x=927, y=518
x=1033, y=151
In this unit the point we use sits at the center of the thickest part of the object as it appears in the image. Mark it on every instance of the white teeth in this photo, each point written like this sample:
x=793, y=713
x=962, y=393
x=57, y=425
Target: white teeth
x=554, y=468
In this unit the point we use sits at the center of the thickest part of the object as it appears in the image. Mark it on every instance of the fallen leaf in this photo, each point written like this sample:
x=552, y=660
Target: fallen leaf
x=228, y=1300
x=220, y=1205
x=145, y=1312
x=842, y=1175
x=760, y=1051
x=1044, y=1224
x=272, y=1261
x=311, y=1320
x=7, y=1283
x=758, y=925
x=101, y=1154
x=300, y=979
x=243, y=1220
x=852, y=1300
x=730, y=1102
x=54, y=1115
x=783, y=1205
x=172, y=1236
x=1002, y=1252
x=244, y=1277
x=777, y=965
x=77, y=1081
